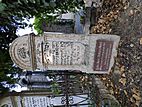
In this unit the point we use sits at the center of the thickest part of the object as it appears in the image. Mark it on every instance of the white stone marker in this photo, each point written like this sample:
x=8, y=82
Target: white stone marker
x=93, y=53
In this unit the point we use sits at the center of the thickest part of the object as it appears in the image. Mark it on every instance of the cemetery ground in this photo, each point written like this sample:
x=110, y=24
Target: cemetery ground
x=125, y=79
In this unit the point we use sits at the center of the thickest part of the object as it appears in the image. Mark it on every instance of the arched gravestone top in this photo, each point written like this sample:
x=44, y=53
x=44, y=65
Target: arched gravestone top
x=19, y=52
x=91, y=54
x=5, y=102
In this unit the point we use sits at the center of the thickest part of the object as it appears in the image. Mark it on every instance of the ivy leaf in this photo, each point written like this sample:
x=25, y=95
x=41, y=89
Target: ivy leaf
x=45, y=3
x=38, y=2
x=19, y=2
x=25, y=1
x=2, y=7
x=52, y=4
x=32, y=1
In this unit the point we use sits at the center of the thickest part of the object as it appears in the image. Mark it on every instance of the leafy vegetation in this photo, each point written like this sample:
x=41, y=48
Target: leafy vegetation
x=7, y=32
x=41, y=21
x=12, y=15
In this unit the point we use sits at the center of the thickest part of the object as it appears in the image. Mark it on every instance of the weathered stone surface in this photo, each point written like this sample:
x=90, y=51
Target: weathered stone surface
x=19, y=52
x=90, y=54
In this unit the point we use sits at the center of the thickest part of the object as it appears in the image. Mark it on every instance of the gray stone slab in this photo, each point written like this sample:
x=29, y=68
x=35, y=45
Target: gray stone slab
x=93, y=53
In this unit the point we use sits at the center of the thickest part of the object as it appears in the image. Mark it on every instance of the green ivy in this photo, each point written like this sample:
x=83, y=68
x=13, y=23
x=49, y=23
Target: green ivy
x=55, y=88
x=2, y=7
x=41, y=21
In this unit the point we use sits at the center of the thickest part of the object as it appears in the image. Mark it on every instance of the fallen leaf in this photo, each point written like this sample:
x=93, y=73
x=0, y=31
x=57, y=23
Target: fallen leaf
x=138, y=98
x=131, y=12
x=140, y=41
x=122, y=69
x=123, y=81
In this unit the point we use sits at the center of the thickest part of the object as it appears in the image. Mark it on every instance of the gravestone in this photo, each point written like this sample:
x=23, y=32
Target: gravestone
x=62, y=26
x=93, y=53
x=40, y=99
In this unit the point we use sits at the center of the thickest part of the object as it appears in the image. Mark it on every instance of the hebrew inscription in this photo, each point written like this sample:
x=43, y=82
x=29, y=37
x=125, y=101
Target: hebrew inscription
x=35, y=101
x=102, y=55
x=60, y=53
